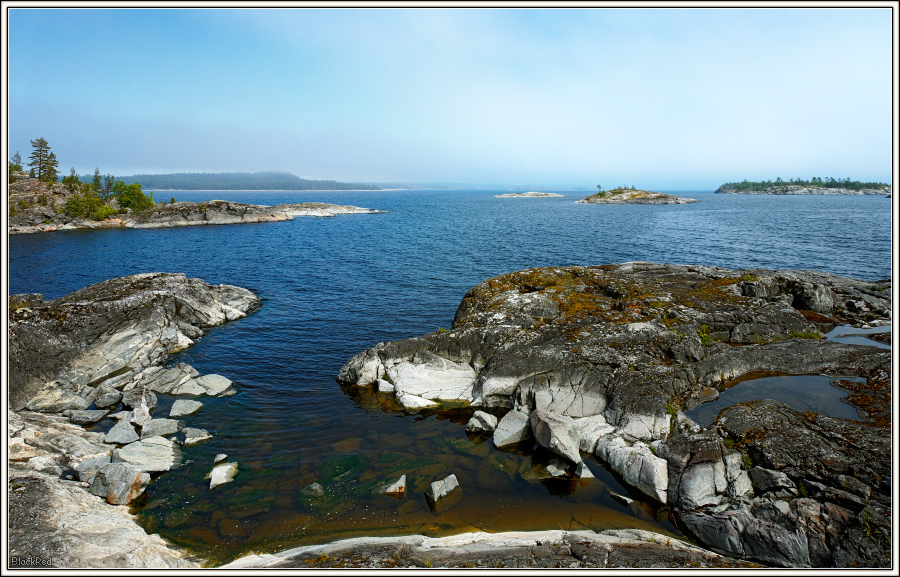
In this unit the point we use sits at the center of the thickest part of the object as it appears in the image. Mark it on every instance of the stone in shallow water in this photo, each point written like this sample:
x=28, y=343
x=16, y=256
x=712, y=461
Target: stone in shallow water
x=222, y=474
x=313, y=490
x=195, y=436
x=512, y=429
x=481, y=422
x=87, y=418
x=161, y=427
x=440, y=490
x=220, y=457
x=554, y=432
x=153, y=454
x=183, y=407
x=394, y=489
x=107, y=397
x=122, y=434
x=213, y=384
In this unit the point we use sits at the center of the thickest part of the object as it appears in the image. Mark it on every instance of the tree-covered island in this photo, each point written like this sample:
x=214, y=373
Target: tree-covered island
x=815, y=185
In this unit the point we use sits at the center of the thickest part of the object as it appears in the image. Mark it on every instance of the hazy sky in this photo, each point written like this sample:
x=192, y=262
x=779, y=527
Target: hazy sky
x=658, y=98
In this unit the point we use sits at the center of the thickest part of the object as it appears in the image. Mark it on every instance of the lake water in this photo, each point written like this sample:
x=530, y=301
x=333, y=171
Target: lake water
x=333, y=287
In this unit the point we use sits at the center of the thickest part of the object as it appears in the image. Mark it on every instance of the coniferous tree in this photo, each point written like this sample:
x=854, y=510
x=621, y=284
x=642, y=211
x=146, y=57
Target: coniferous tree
x=97, y=182
x=40, y=158
x=108, y=182
x=52, y=163
x=16, y=162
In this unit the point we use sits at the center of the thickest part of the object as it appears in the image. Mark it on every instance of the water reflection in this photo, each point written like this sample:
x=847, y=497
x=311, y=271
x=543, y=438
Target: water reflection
x=800, y=392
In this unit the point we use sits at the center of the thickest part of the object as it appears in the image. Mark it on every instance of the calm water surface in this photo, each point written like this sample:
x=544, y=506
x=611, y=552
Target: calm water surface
x=332, y=287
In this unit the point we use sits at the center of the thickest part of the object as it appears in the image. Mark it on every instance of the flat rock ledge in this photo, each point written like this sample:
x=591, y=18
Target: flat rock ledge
x=623, y=548
x=635, y=197
x=600, y=362
x=102, y=345
x=182, y=214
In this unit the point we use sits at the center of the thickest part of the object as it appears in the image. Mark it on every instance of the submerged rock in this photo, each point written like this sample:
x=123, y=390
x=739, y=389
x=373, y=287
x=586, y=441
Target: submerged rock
x=600, y=360
x=221, y=474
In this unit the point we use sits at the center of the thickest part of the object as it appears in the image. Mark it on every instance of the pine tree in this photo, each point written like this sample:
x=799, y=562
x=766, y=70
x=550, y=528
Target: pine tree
x=52, y=163
x=39, y=158
x=16, y=162
x=98, y=181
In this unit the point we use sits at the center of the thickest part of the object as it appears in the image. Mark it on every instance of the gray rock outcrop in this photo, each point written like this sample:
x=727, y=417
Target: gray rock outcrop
x=42, y=218
x=599, y=361
x=109, y=330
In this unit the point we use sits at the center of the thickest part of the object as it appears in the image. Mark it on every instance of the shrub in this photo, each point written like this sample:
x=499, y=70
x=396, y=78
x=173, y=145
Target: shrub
x=703, y=333
x=746, y=462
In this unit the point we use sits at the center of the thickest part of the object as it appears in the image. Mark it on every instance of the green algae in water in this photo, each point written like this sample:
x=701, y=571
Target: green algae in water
x=264, y=510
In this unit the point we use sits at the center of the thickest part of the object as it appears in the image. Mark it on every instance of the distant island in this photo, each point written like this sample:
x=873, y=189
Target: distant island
x=815, y=185
x=623, y=195
x=238, y=181
x=530, y=194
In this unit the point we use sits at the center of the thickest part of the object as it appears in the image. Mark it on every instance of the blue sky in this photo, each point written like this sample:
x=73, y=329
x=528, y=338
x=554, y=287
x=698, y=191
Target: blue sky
x=658, y=98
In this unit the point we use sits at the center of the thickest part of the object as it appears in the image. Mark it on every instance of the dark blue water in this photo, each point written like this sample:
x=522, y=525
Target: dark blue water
x=333, y=287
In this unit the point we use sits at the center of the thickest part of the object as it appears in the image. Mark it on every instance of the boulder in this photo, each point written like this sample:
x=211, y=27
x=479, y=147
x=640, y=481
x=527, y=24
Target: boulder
x=119, y=483
x=153, y=454
x=122, y=433
x=481, y=422
x=194, y=436
x=213, y=385
x=86, y=470
x=138, y=396
x=87, y=418
x=161, y=427
x=555, y=433
x=107, y=397
x=182, y=408
x=440, y=490
x=513, y=428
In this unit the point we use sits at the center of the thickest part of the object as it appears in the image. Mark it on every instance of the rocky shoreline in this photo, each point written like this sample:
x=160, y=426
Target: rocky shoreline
x=102, y=347
x=599, y=362
x=586, y=362
x=805, y=190
x=627, y=196
x=40, y=218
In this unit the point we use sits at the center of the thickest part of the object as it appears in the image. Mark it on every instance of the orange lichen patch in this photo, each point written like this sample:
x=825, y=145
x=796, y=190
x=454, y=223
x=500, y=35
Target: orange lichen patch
x=594, y=294
x=815, y=317
x=873, y=397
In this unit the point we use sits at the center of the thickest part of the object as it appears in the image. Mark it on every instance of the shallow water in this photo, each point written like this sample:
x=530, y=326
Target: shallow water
x=800, y=392
x=333, y=287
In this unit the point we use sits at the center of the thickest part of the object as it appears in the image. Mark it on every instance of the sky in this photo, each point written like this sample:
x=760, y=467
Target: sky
x=671, y=99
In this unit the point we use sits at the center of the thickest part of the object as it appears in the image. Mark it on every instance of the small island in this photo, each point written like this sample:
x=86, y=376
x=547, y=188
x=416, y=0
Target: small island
x=531, y=194
x=815, y=185
x=623, y=195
